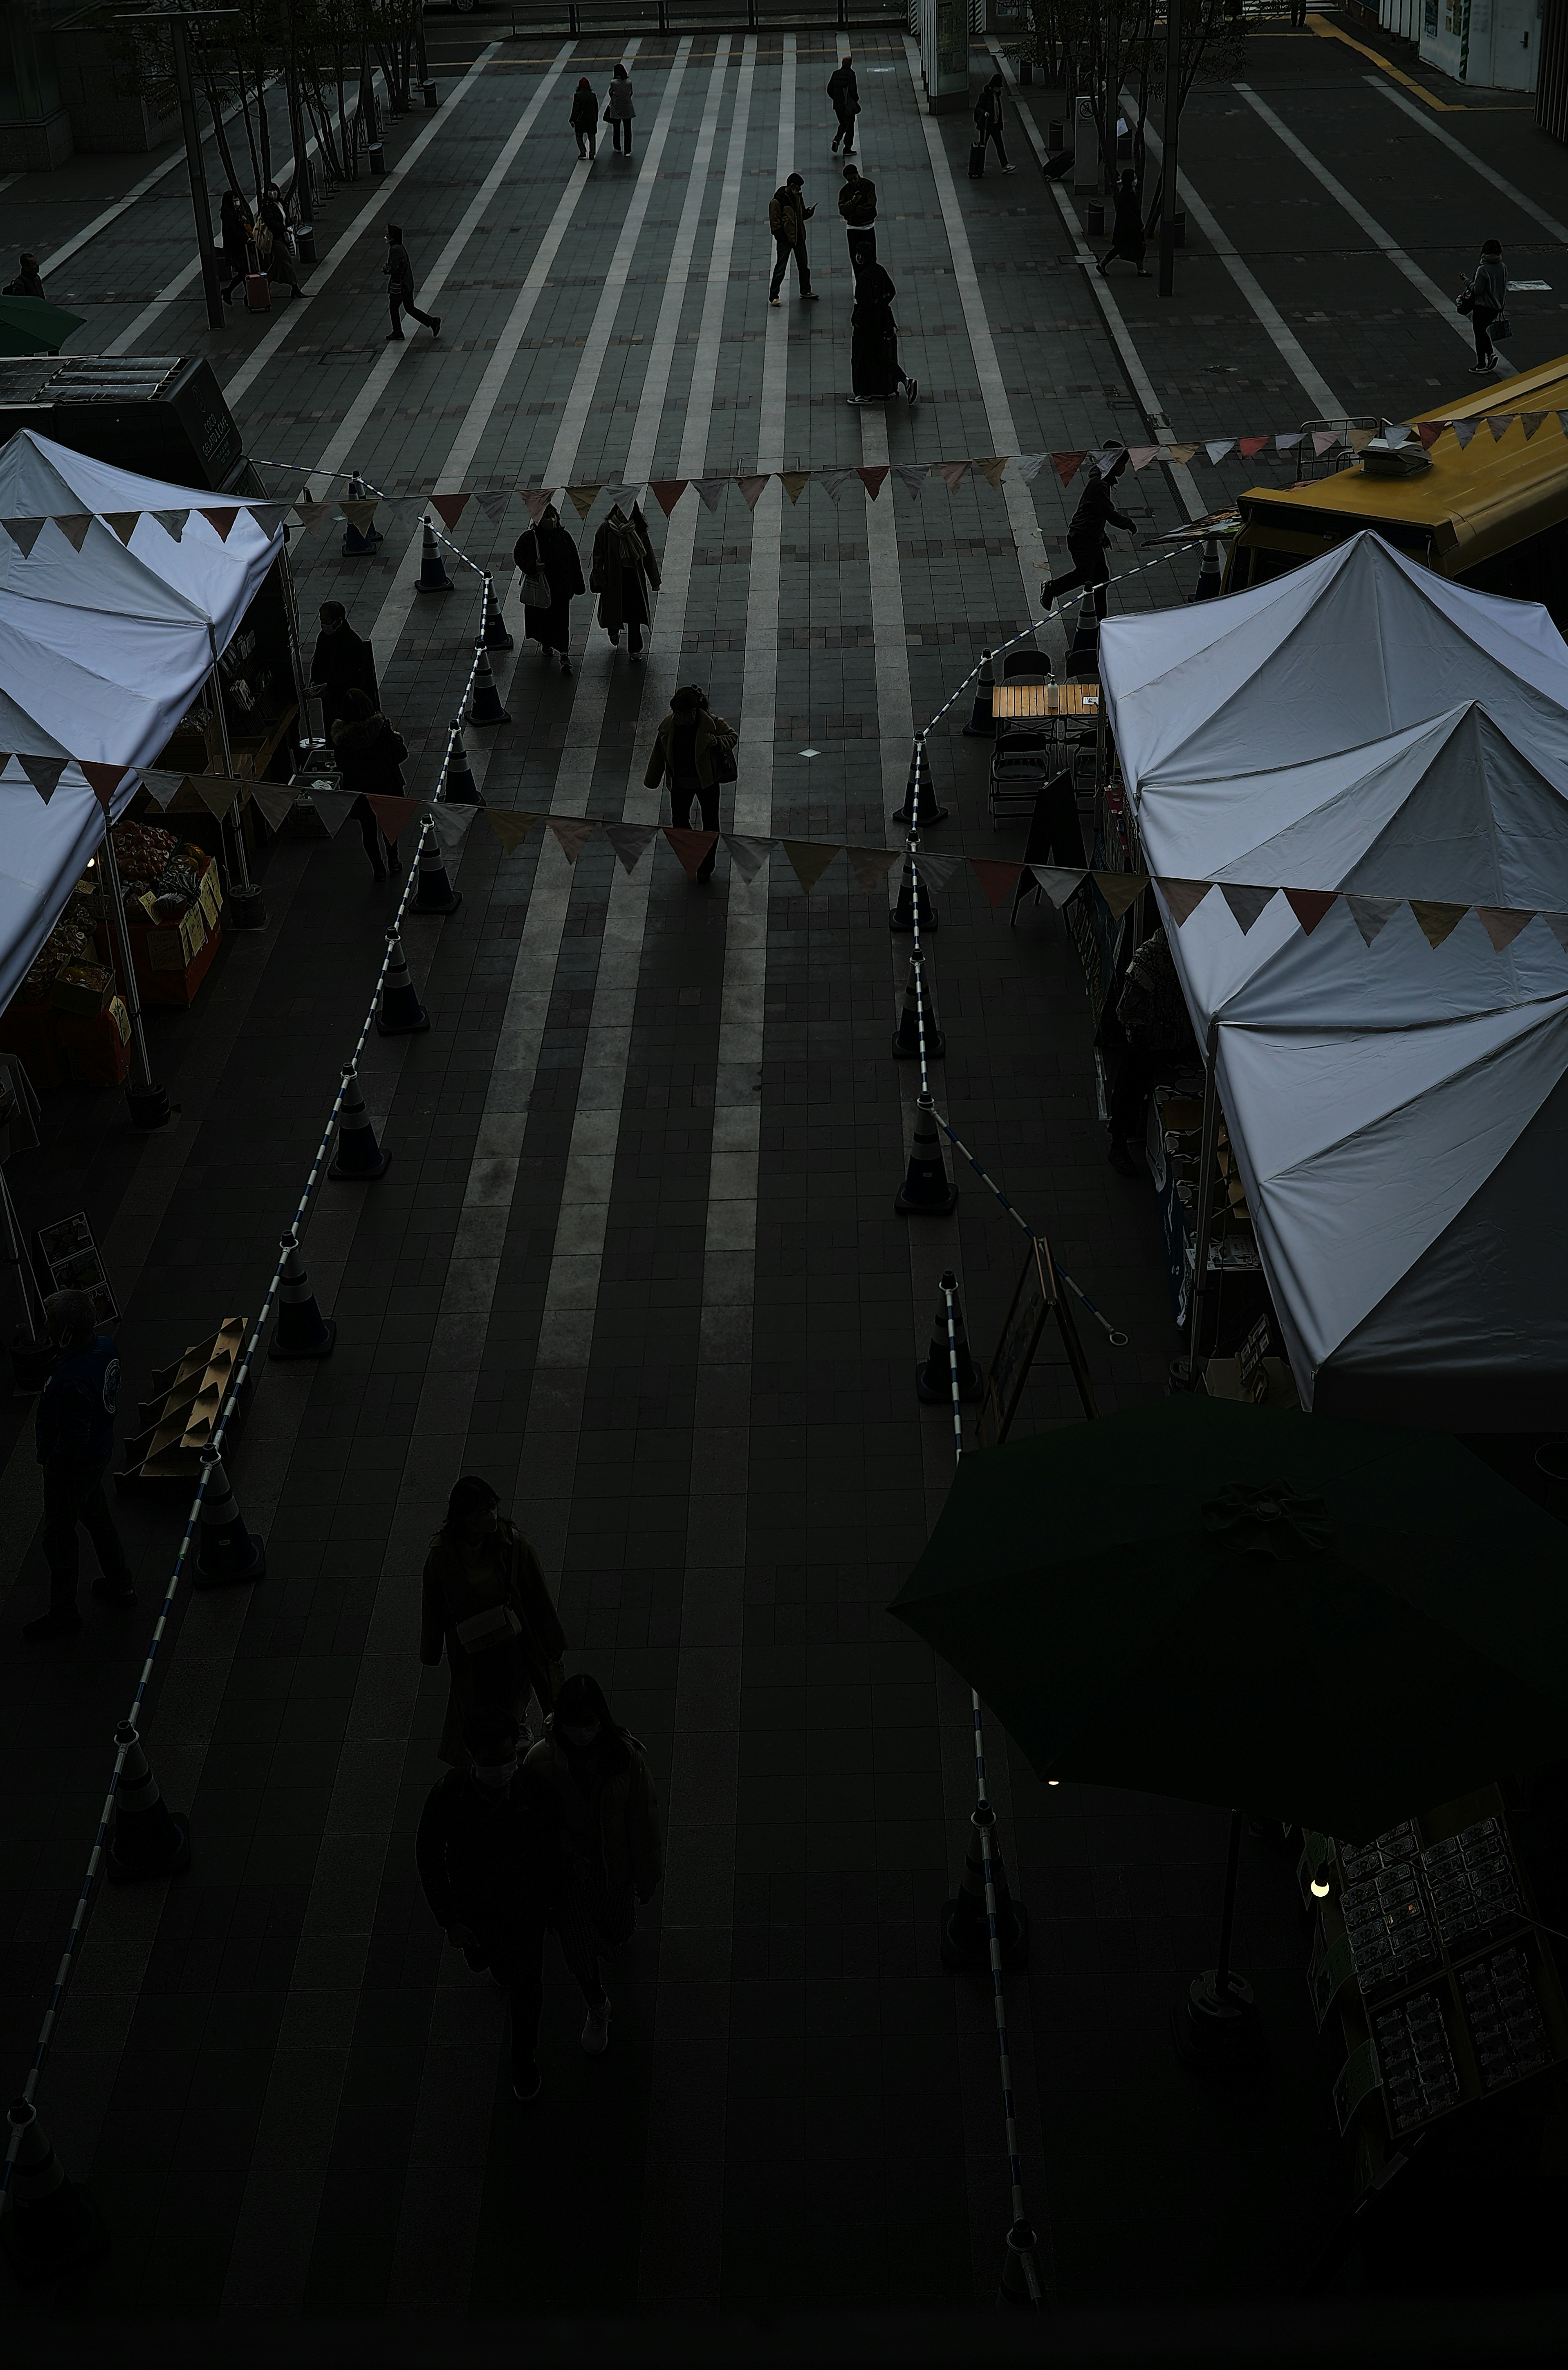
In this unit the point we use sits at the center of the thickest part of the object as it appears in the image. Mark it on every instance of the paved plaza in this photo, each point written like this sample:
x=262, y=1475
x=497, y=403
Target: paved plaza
x=636, y=1257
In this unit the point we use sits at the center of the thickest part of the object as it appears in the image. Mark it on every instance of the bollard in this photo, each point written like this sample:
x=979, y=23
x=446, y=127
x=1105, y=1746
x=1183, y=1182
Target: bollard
x=919, y=808
x=485, y=707
x=429, y=95
x=462, y=790
x=928, y=1191
x=982, y=724
x=966, y=1929
x=145, y=1838
x=907, y=1036
x=225, y=1549
x=359, y=1158
x=1086, y=635
x=377, y=161
x=51, y=2226
x=1208, y=570
x=304, y=240
x=432, y=567
x=245, y=907
x=401, y=1013
x=492, y=623
x=359, y=543
x=913, y=902
x=933, y=1381
x=302, y=1331
x=435, y=893
x=1020, y=2288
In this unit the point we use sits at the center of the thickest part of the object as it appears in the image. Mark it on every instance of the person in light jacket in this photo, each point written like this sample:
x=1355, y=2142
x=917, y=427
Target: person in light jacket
x=485, y=1603
x=597, y=1774
x=686, y=754
x=548, y=551
x=585, y=118
x=619, y=111
x=1488, y=294
x=623, y=572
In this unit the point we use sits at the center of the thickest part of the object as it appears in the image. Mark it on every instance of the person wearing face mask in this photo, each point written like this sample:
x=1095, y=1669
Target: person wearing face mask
x=597, y=1775
x=486, y=1606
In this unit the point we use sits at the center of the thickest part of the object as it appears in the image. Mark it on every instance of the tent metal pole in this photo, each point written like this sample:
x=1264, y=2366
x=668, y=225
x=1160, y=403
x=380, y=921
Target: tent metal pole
x=242, y=869
x=16, y=1258
x=149, y=1103
x=1205, y=1199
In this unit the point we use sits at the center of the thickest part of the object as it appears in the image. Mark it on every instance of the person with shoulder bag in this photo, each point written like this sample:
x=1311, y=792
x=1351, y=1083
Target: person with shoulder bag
x=1485, y=300
x=485, y=1603
x=547, y=558
x=694, y=750
x=619, y=111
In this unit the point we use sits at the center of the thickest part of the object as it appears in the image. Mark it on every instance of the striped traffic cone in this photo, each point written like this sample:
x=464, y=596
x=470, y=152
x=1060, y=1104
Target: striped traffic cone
x=485, y=707
x=492, y=623
x=225, y=1549
x=435, y=893
x=1019, y=2289
x=919, y=809
x=907, y=1036
x=51, y=2226
x=359, y=1158
x=145, y=1838
x=982, y=724
x=928, y=1191
x=1208, y=570
x=401, y=1013
x=302, y=1331
x=432, y=567
x=933, y=1381
x=462, y=790
x=359, y=543
x=913, y=902
x=966, y=1930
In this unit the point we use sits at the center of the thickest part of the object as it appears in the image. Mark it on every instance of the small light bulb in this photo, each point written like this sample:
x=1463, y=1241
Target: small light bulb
x=1320, y=1887
x=1052, y=1782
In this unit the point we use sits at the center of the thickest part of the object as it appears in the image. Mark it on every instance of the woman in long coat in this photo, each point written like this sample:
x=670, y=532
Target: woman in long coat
x=548, y=551
x=618, y=110
x=873, y=352
x=370, y=759
x=486, y=1604
x=623, y=571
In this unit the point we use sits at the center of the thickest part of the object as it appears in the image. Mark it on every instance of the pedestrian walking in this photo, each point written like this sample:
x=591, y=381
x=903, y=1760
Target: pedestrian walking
x=486, y=1604
x=1298, y=14
x=597, y=1774
x=875, y=366
x=370, y=760
x=491, y=1867
x=273, y=243
x=788, y=214
x=1485, y=299
x=619, y=111
x=74, y=1430
x=546, y=558
x=585, y=118
x=694, y=750
x=988, y=124
x=857, y=204
x=624, y=572
x=1128, y=243
x=1091, y=523
x=342, y=661
x=26, y=281
x=845, y=93
x=400, y=288
x=235, y=231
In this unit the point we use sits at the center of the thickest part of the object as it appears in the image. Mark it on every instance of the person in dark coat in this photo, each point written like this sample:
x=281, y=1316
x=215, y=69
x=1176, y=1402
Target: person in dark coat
x=26, y=281
x=486, y=1606
x=857, y=204
x=235, y=233
x=686, y=754
x=370, y=759
x=74, y=1433
x=788, y=214
x=399, y=272
x=988, y=120
x=585, y=118
x=548, y=551
x=492, y=1868
x=1091, y=523
x=340, y=662
x=845, y=93
x=1128, y=243
x=274, y=218
x=623, y=571
x=873, y=352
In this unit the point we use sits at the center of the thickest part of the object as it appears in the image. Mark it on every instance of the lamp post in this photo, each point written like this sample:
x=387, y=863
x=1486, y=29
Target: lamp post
x=177, y=20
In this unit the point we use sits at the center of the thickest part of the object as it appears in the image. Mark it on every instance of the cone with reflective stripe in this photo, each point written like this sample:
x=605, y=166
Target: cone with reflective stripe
x=966, y=1931
x=1014, y=2294
x=401, y=1013
x=359, y=543
x=486, y=707
x=462, y=790
x=435, y=893
x=225, y=1549
x=982, y=724
x=493, y=628
x=51, y=2226
x=432, y=567
x=913, y=903
x=302, y=1331
x=933, y=1381
x=928, y=1191
x=907, y=1036
x=919, y=808
x=145, y=1839
x=1208, y=570
x=359, y=1158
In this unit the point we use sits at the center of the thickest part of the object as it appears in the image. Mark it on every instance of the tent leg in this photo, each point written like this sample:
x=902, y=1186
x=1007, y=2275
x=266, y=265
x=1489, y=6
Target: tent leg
x=149, y=1103
x=1204, y=1203
x=247, y=910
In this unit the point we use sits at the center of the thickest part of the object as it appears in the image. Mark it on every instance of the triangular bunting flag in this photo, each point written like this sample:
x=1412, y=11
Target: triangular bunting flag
x=1322, y=438
x=1370, y=913
x=1465, y=428
x=1119, y=889
x=631, y=840
x=912, y=476
x=1561, y=421
x=794, y=482
x=747, y=855
x=1105, y=457
x=1219, y=446
x=1558, y=924
x=1059, y=882
x=121, y=523
x=268, y=516
x=494, y=501
x=448, y=509
x=1246, y=903
x=1180, y=453
x=274, y=799
x=102, y=779
x=510, y=826
x=872, y=479
x=217, y=792
x=24, y=532
x=994, y=877
x=161, y=787
x=333, y=806
x=992, y=470
x=626, y=494
x=584, y=498
x=833, y=481
x=1068, y=465
x=1309, y=906
x=1140, y=455
x=222, y=522
x=952, y=472
x=691, y=847
x=572, y=835
x=936, y=867
x=393, y=814
x=1429, y=431
x=1503, y=923
x=1250, y=446
x=1184, y=897
x=1531, y=420
x=1028, y=466
x=810, y=859
x=1436, y=919
x=43, y=773
x=358, y=514
x=711, y=490
x=1288, y=441
x=314, y=518
x=451, y=825
x=1499, y=423
x=870, y=866
x=536, y=501
x=751, y=488
x=75, y=525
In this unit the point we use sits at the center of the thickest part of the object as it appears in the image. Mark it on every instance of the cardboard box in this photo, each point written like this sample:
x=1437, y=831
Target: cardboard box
x=177, y=946
x=83, y=988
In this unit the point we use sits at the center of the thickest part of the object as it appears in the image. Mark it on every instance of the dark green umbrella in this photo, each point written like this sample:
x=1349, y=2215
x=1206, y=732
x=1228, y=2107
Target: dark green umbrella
x=30, y=325
x=1330, y=1624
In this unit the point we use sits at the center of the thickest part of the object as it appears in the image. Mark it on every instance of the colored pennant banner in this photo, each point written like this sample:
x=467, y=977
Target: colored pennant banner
x=1436, y=918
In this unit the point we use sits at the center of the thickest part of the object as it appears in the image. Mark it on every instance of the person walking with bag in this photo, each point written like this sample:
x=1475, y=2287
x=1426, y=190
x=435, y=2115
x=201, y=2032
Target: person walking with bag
x=547, y=558
x=858, y=205
x=280, y=259
x=845, y=93
x=1128, y=243
x=1485, y=300
x=400, y=288
x=989, y=125
x=74, y=1430
x=236, y=233
x=623, y=572
x=486, y=1604
x=694, y=750
x=585, y=118
x=788, y=214
x=1091, y=523
x=619, y=111
x=370, y=760
x=597, y=1775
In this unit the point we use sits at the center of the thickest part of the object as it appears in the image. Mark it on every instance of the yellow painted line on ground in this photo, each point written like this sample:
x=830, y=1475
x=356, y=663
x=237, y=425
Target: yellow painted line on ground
x=1327, y=32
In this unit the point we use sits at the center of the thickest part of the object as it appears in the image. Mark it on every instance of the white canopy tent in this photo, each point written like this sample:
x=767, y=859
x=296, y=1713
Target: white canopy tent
x=107, y=634
x=1399, y=1110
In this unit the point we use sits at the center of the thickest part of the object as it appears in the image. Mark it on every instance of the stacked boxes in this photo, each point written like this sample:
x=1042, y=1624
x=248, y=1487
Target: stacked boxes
x=1416, y=2058
x=1508, y=2029
x=1474, y=1885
